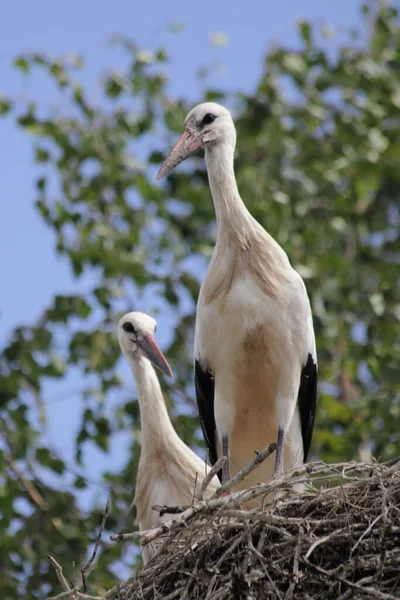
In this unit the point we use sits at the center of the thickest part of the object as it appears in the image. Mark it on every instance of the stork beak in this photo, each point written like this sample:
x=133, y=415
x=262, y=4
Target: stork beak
x=186, y=145
x=149, y=346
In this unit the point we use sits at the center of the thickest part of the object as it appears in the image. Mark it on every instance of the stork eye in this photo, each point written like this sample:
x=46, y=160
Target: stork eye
x=128, y=327
x=209, y=118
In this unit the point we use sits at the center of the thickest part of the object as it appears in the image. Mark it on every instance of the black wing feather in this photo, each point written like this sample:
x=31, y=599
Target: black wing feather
x=204, y=384
x=307, y=400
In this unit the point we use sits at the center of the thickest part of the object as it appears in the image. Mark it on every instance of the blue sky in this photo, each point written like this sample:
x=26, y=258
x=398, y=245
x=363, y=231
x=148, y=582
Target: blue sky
x=30, y=272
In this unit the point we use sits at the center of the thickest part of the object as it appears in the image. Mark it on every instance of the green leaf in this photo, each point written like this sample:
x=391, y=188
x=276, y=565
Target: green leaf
x=22, y=64
x=5, y=105
x=45, y=458
x=114, y=86
x=305, y=31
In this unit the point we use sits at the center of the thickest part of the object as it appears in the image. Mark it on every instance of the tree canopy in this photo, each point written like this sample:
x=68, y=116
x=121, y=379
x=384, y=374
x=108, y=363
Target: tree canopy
x=317, y=164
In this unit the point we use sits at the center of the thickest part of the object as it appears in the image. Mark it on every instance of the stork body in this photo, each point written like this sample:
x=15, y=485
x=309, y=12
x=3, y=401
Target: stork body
x=255, y=357
x=169, y=472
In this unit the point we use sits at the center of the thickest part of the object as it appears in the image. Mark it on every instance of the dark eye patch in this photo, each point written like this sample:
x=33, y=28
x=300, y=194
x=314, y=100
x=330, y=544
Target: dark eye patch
x=128, y=327
x=209, y=118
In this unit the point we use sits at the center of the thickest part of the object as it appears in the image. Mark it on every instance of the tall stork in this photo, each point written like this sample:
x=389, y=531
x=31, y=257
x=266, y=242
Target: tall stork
x=169, y=472
x=255, y=357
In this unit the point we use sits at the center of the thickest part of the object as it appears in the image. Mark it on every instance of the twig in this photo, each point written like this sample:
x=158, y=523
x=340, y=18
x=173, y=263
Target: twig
x=96, y=545
x=63, y=594
x=213, y=471
x=260, y=457
x=59, y=572
x=28, y=485
x=164, y=509
x=322, y=541
x=68, y=592
x=366, y=532
x=373, y=593
x=121, y=585
x=289, y=593
x=75, y=593
x=152, y=534
x=174, y=594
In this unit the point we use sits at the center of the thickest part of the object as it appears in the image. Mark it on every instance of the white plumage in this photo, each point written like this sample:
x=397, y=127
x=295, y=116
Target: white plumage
x=169, y=472
x=255, y=357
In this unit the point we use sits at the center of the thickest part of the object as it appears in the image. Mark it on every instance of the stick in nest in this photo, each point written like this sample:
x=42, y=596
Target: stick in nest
x=260, y=457
x=213, y=471
x=165, y=509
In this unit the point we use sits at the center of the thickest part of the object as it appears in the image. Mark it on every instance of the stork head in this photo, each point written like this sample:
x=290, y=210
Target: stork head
x=136, y=338
x=207, y=124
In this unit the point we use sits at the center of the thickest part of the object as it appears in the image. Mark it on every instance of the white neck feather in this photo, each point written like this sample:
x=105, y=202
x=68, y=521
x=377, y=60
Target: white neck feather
x=157, y=429
x=231, y=213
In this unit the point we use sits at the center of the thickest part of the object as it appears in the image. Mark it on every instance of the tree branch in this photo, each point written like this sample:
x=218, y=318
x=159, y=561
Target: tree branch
x=164, y=509
x=213, y=471
x=260, y=457
x=96, y=545
x=61, y=578
x=67, y=594
x=28, y=485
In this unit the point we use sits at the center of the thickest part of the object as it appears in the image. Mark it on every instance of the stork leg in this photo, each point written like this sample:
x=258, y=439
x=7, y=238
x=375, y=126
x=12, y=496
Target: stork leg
x=278, y=470
x=225, y=452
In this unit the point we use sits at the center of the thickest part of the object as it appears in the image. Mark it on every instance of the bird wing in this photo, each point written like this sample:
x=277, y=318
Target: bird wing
x=204, y=384
x=307, y=400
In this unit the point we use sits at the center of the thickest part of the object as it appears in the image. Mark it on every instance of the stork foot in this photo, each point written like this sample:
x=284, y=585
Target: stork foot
x=278, y=470
x=225, y=452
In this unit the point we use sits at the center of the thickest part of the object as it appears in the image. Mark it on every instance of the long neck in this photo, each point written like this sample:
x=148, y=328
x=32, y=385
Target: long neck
x=231, y=213
x=157, y=429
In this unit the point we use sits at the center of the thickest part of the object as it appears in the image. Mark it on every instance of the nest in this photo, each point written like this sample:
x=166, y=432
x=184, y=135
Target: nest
x=339, y=538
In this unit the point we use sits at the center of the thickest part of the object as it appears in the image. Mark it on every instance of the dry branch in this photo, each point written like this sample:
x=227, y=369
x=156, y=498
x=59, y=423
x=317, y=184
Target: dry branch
x=96, y=544
x=213, y=471
x=27, y=484
x=260, y=457
x=68, y=592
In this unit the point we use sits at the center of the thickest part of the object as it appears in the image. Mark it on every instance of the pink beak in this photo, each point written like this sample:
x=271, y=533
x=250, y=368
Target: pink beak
x=149, y=347
x=186, y=145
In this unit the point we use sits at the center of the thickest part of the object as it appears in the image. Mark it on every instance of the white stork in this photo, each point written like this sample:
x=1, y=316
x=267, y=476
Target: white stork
x=255, y=357
x=169, y=472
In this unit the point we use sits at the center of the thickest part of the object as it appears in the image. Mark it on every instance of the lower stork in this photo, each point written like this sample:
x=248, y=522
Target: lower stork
x=169, y=472
x=255, y=356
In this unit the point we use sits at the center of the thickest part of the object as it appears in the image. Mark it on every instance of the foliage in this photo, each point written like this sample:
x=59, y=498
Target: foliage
x=317, y=164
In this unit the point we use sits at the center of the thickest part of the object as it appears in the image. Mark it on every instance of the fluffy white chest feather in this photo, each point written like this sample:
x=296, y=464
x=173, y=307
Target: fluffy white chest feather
x=256, y=346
